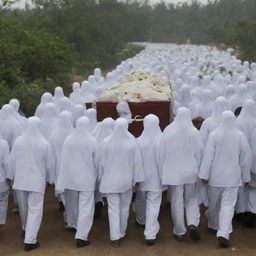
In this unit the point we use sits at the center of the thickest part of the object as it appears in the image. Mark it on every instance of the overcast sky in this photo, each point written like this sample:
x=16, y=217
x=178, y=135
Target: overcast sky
x=176, y=1
x=21, y=3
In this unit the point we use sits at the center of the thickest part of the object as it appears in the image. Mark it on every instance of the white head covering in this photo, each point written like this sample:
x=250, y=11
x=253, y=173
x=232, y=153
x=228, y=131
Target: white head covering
x=181, y=148
x=206, y=81
x=247, y=118
x=204, y=109
x=76, y=87
x=65, y=104
x=149, y=145
x=227, y=159
x=151, y=127
x=15, y=103
x=86, y=95
x=76, y=91
x=238, y=99
x=78, y=111
x=92, y=115
x=230, y=91
x=218, y=85
x=124, y=111
x=120, y=161
x=32, y=163
x=79, y=160
x=105, y=129
x=10, y=120
x=185, y=96
x=63, y=129
x=97, y=74
x=212, y=122
x=220, y=105
x=46, y=98
x=58, y=95
x=49, y=119
x=4, y=155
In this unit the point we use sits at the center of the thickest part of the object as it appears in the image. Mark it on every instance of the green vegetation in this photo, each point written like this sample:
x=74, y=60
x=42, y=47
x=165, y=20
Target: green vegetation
x=44, y=47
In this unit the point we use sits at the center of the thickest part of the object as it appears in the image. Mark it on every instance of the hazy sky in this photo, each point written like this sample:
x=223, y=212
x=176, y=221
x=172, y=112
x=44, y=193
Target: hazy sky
x=177, y=1
x=21, y=3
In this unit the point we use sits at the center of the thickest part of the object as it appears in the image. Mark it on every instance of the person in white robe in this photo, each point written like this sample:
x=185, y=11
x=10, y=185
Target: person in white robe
x=209, y=125
x=10, y=129
x=247, y=123
x=65, y=104
x=31, y=166
x=91, y=113
x=46, y=98
x=76, y=91
x=4, y=186
x=58, y=95
x=181, y=152
x=49, y=120
x=105, y=129
x=78, y=111
x=225, y=167
x=212, y=122
x=239, y=98
x=151, y=188
x=252, y=184
x=124, y=111
x=77, y=176
x=63, y=129
x=120, y=168
x=205, y=107
x=16, y=105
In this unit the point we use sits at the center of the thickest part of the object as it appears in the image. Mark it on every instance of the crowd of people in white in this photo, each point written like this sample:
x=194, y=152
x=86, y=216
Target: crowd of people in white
x=86, y=160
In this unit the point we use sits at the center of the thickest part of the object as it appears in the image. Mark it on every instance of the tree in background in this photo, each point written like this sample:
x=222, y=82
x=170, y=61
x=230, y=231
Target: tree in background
x=46, y=46
x=243, y=35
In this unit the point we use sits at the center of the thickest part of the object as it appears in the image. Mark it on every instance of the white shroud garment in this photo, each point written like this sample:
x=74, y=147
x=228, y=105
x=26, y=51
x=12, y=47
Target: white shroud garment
x=91, y=113
x=104, y=129
x=49, y=119
x=78, y=161
x=77, y=176
x=16, y=106
x=226, y=142
x=63, y=129
x=149, y=145
x=4, y=187
x=226, y=165
x=10, y=128
x=58, y=95
x=212, y=122
x=32, y=164
x=205, y=107
x=119, y=174
x=120, y=168
x=180, y=151
x=180, y=155
x=150, y=190
x=46, y=98
x=209, y=125
x=247, y=123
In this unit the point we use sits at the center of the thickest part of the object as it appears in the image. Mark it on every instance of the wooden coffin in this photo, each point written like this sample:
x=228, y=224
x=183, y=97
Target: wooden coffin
x=162, y=109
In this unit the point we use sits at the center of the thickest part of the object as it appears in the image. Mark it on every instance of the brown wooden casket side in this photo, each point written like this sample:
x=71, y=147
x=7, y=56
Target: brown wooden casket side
x=159, y=108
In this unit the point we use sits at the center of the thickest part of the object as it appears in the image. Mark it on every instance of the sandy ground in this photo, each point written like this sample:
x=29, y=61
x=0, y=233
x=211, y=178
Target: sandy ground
x=56, y=241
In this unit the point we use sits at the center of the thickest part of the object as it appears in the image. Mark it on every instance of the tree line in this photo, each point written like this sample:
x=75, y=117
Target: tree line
x=45, y=46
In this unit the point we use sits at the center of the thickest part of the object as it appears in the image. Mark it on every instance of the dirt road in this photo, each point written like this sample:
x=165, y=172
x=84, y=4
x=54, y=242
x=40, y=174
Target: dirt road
x=55, y=241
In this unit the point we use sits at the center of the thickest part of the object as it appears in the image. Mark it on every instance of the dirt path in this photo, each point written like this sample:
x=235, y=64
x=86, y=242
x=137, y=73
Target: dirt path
x=55, y=241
